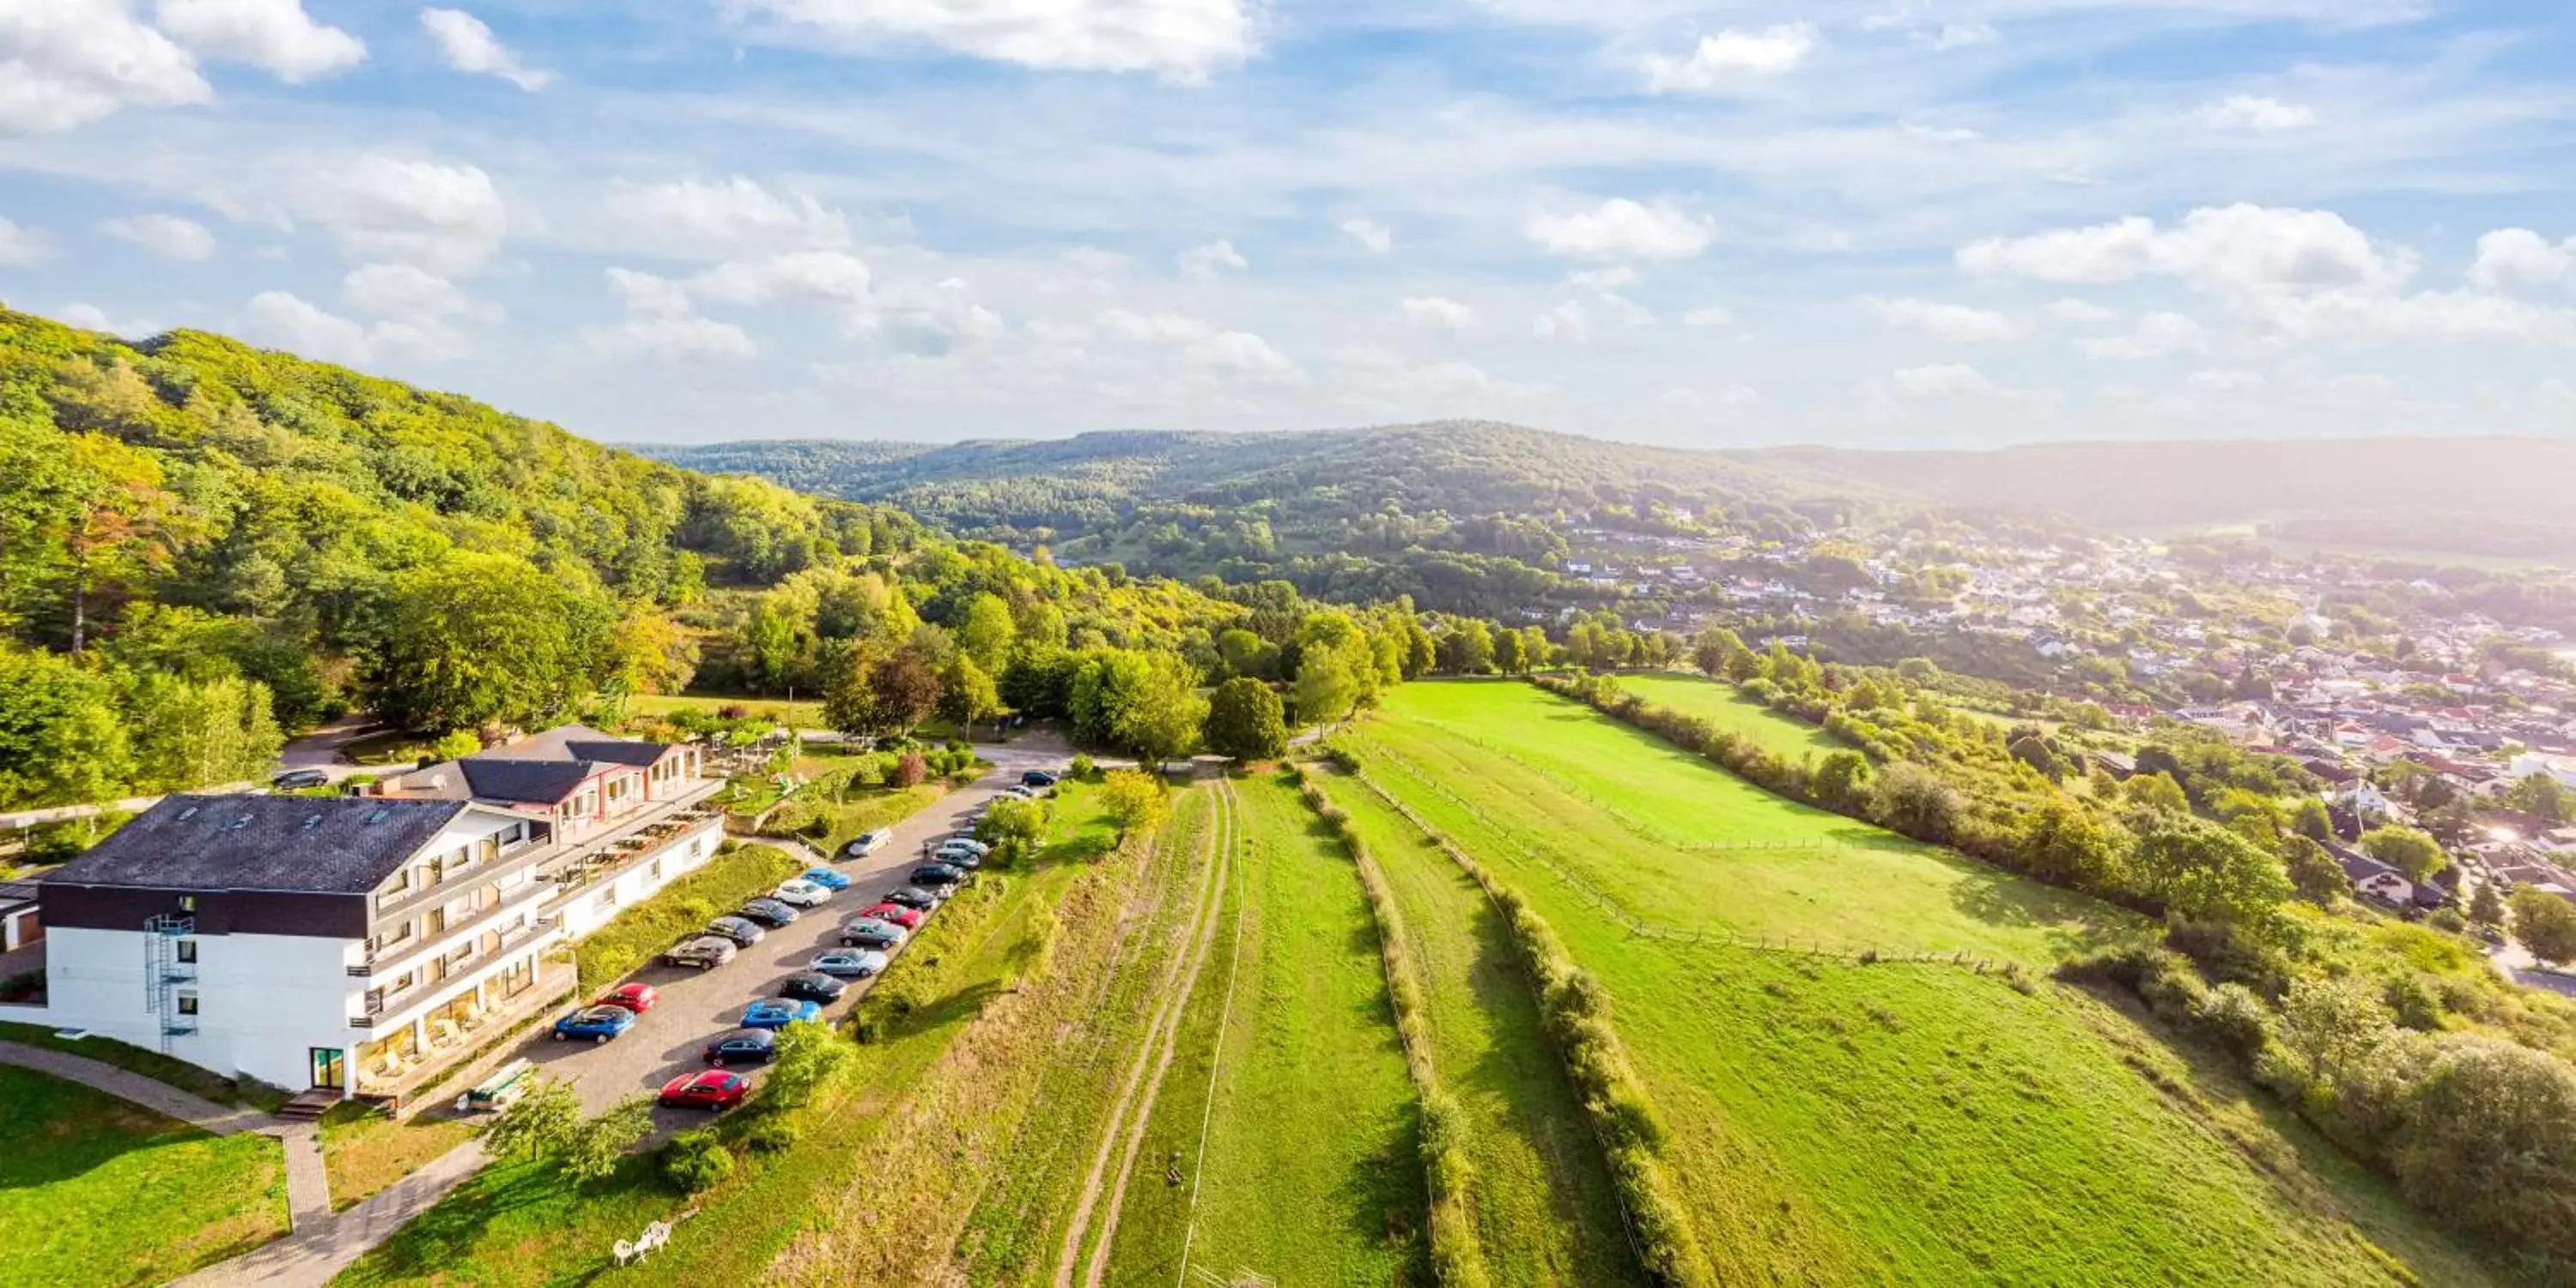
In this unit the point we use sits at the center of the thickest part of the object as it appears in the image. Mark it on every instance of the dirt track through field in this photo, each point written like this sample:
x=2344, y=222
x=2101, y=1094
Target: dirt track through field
x=1122, y=1136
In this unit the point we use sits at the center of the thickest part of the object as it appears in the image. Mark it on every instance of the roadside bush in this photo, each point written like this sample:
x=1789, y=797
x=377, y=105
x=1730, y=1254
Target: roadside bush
x=696, y=1161
x=768, y=1131
x=1081, y=767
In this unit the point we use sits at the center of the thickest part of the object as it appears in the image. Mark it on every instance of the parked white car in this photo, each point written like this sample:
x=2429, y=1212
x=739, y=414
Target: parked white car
x=867, y=843
x=800, y=893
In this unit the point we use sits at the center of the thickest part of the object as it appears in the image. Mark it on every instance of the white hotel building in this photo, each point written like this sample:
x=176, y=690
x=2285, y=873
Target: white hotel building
x=364, y=944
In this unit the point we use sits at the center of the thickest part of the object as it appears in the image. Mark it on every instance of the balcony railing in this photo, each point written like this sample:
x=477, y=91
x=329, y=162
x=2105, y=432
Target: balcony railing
x=393, y=956
x=378, y=1002
x=444, y=888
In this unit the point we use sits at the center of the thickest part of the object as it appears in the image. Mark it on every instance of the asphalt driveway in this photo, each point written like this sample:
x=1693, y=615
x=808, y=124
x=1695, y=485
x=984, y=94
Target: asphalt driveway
x=696, y=1006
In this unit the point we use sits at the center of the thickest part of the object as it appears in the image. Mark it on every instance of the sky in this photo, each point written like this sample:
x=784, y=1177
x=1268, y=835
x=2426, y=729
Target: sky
x=1872, y=223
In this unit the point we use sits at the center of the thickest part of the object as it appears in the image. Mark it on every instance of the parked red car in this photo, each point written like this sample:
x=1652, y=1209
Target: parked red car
x=713, y=1090
x=638, y=998
x=908, y=918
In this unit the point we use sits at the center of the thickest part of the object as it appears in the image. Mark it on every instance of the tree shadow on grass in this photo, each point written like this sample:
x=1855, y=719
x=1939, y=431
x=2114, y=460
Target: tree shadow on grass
x=1383, y=1202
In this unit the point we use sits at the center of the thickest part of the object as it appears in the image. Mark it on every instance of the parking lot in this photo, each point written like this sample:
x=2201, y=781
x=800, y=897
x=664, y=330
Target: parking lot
x=695, y=1006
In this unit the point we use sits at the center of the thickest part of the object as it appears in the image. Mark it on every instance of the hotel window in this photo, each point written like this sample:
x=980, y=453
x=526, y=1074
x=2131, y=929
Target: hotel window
x=187, y=1003
x=187, y=950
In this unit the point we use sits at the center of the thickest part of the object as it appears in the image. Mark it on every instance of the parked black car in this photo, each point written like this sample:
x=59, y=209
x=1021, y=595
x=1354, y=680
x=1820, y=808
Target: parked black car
x=913, y=897
x=772, y=913
x=1037, y=778
x=742, y=932
x=812, y=986
x=299, y=779
x=743, y=1046
x=936, y=874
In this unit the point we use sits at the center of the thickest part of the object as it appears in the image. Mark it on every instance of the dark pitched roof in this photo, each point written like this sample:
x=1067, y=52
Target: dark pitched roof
x=323, y=845
x=618, y=751
x=542, y=782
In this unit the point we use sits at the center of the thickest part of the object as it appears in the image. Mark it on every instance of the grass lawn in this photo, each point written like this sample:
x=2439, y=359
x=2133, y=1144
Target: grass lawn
x=95, y=1190
x=365, y=1150
x=649, y=928
x=1831, y=1122
x=1721, y=705
x=1312, y=1171
x=801, y=713
x=1676, y=842
x=151, y=1064
x=520, y=1224
x=1544, y=1209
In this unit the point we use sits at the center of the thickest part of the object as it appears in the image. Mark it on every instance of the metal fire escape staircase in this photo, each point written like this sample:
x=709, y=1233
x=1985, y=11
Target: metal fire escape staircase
x=163, y=972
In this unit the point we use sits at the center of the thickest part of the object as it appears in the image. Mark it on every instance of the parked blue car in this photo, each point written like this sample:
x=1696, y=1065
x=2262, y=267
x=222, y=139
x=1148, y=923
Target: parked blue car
x=827, y=878
x=594, y=1023
x=778, y=1013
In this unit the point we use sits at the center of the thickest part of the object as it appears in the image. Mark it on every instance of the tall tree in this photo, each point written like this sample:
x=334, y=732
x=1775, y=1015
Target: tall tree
x=1246, y=721
x=986, y=631
x=478, y=639
x=967, y=694
x=906, y=691
x=2545, y=923
x=116, y=527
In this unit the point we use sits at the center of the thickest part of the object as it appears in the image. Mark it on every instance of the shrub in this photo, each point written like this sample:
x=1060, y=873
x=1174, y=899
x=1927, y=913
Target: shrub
x=768, y=1132
x=1081, y=766
x=910, y=770
x=696, y=1161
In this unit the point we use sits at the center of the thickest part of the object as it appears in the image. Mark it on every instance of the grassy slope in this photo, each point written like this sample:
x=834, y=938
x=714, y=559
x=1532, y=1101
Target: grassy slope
x=1312, y=1172
x=366, y=1150
x=1673, y=841
x=1721, y=705
x=518, y=1224
x=1019, y=1220
x=1544, y=1209
x=94, y=1190
x=151, y=1064
x=1841, y=1123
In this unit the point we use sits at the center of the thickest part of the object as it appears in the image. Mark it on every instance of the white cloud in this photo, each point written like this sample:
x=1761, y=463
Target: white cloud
x=2223, y=381
x=273, y=34
x=2224, y=250
x=1142, y=328
x=2369, y=317
x=1438, y=313
x=1601, y=279
x=168, y=236
x=90, y=317
x=1094, y=261
x=647, y=294
x=934, y=322
x=1568, y=321
x=1621, y=229
x=1211, y=259
x=401, y=291
x=2256, y=113
x=2072, y=309
x=282, y=319
x=670, y=339
x=471, y=48
x=2514, y=257
x=1954, y=322
x=720, y=219
x=65, y=63
x=445, y=218
x=1379, y=238
x=1732, y=57
x=2157, y=335
x=1622, y=310
x=1942, y=380
x=1180, y=39
x=1244, y=356
x=1708, y=315
x=815, y=276
x=1961, y=35
x=22, y=247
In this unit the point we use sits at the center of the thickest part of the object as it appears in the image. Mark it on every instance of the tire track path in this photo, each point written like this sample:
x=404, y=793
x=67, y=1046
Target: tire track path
x=1123, y=1134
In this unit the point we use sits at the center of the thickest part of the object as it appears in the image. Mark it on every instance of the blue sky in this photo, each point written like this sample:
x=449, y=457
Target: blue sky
x=1864, y=222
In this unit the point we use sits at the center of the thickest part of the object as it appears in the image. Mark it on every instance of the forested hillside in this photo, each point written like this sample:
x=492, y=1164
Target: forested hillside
x=205, y=547
x=1463, y=516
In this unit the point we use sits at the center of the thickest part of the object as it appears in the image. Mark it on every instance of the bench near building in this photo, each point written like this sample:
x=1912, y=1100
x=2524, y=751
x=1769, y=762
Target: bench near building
x=363, y=945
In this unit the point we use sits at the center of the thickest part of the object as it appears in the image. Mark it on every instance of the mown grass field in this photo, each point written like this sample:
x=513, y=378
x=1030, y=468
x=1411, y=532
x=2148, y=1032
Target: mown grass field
x=524, y=1224
x=1835, y=1122
x=1544, y=1211
x=94, y=1190
x=1312, y=1171
x=1721, y=705
x=1670, y=840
